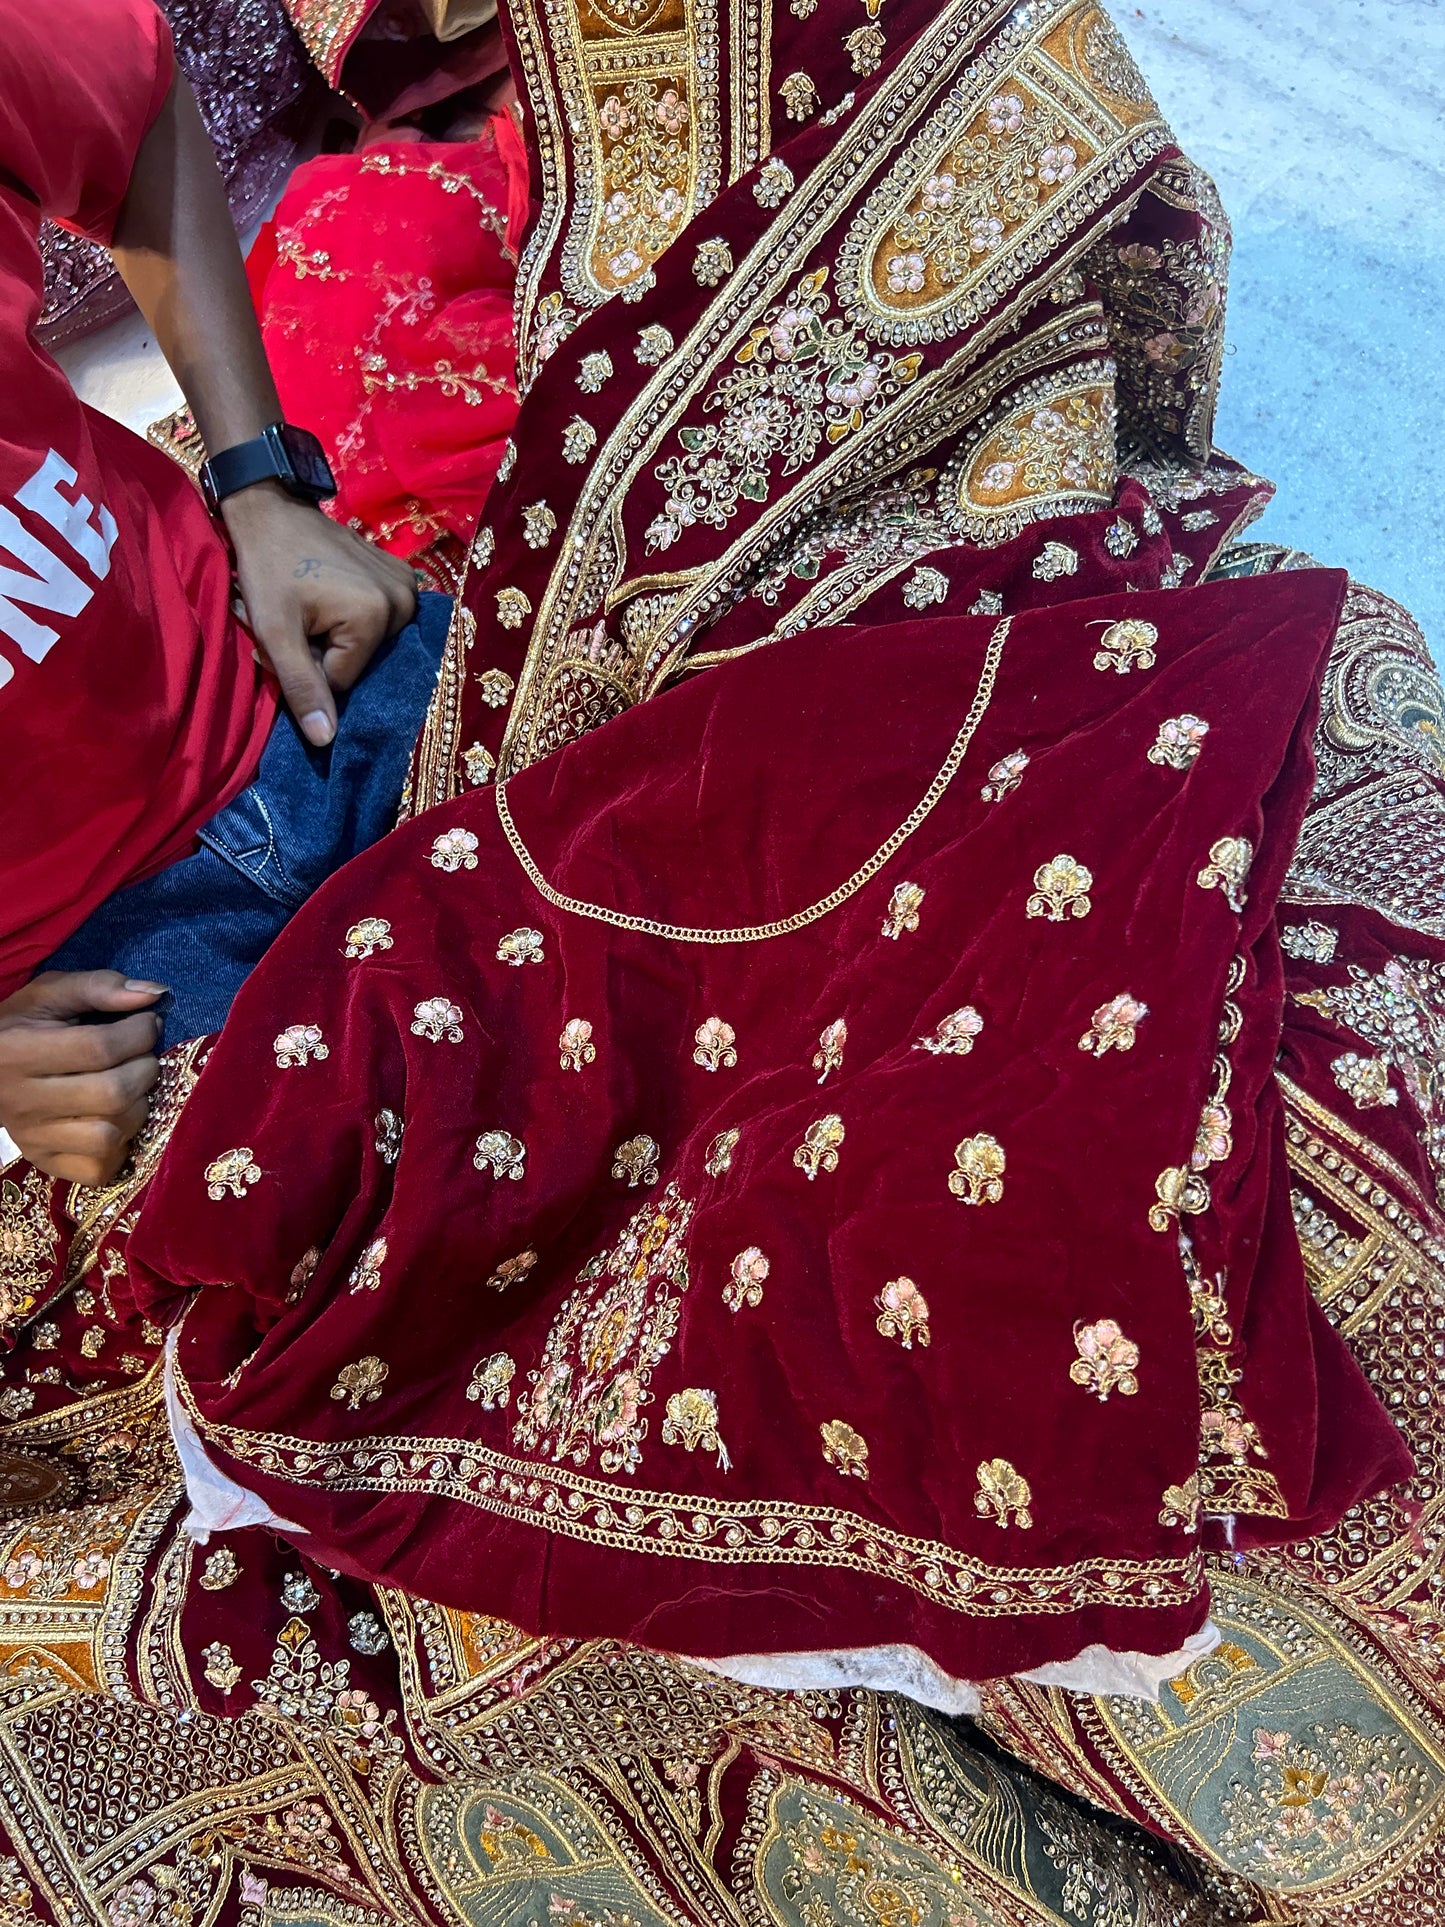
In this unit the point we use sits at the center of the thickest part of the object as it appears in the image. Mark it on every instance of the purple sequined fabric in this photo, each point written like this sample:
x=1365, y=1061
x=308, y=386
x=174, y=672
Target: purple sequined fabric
x=251, y=78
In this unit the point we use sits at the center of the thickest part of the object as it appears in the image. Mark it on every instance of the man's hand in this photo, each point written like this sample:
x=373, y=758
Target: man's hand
x=73, y=1096
x=301, y=577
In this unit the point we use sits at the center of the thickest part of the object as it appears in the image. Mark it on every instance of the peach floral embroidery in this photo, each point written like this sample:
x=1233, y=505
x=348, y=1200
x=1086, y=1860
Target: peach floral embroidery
x=360, y=1384
x=370, y=933
x=232, y=1171
x=903, y=908
x=980, y=1165
x=302, y=1272
x=1179, y=742
x=511, y=1271
x=454, y=850
x=1214, y=1140
x=1003, y=1494
x=520, y=947
x=1005, y=775
x=1227, y=869
x=845, y=1448
x=1106, y=1362
x=829, y=1054
x=954, y=1034
x=576, y=1045
x=819, y=1148
x=1113, y=1025
x=491, y=1384
x=501, y=1153
x=747, y=1274
x=720, y=1152
x=903, y=1312
x=1061, y=889
x=1127, y=645
x=366, y=1274
x=298, y=1044
x=715, y=1043
x=636, y=1160
x=690, y=1420
x=437, y=1019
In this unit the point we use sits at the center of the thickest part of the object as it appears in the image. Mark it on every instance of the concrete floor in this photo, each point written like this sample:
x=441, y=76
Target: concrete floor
x=1323, y=122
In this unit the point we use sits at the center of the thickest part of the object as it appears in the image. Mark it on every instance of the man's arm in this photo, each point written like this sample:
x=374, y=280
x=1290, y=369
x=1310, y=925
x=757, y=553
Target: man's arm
x=301, y=575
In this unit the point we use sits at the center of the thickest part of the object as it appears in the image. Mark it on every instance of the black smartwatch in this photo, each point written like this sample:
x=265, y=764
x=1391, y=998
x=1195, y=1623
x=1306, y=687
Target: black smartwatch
x=291, y=456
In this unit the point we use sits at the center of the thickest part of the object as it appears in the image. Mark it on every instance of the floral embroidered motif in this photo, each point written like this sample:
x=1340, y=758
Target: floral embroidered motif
x=484, y=547
x=302, y=1272
x=371, y=933
x=220, y=1570
x=1179, y=741
x=844, y=1448
x=720, y=1153
x=495, y=684
x=520, y=947
x=478, y=764
x=865, y=47
x=366, y=1634
x=1056, y=559
x=1061, y=890
x=1107, y=1360
x=221, y=1670
x=435, y=1018
x=715, y=1043
x=1113, y=1025
x=1181, y=1505
x=829, y=1054
x=576, y=1045
x=954, y=1035
x=579, y=438
x=691, y=1421
x=1309, y=942
x=511, y=1271
x=1179, y=1192
x=491, y=1384
x=713, y=260
x=1127, y=645
x=1329, y=1797
x=1003, y=1494
x=360, y=1384
x=232, y=1171
x=636, y=1160
x=508, y=461
x=903, y=1312
x=800, y=96
x=1053, y=444
x=502, y=1154
x=644, y=182
x=592, y=371
x=1227, y=869
x=1214, y=1139
x=592, y=1384
x=366, y=1275
x=388, y=1136
x=819, y=1148
x=747, y=1274
x=1364, y=1080
x=1005, y=775
x=28, y=1240
x=979, y=1169
x=988, y=602
x=774, y=183
x=903, y=908
x=924, y=588
x=298, y=1044
x=454, y=850
x=513, y=607
x=539, y=525
x=654, y=344
x=1121, y=539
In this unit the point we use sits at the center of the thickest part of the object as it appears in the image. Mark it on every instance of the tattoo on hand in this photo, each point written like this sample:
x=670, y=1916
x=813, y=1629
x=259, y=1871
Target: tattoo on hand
x=310, y=566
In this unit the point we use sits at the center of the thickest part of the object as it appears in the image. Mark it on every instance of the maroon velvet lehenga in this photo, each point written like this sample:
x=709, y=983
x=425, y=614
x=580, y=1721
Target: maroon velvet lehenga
x=879, y=1122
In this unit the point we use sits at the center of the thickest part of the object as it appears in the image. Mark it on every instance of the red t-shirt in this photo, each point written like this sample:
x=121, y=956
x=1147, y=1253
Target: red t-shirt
x=131, y=702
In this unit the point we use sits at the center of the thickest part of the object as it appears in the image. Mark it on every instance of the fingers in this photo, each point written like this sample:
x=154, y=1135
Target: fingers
x=84, y=1150
x=57, y=995
x=109, y=1096
x=303, y=686
x=40, y=1050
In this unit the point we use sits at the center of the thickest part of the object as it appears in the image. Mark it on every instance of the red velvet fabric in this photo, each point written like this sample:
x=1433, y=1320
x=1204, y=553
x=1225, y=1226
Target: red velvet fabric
x=560, y=1489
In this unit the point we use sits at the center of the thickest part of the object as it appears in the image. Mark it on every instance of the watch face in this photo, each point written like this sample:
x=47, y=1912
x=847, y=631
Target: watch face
x=309, y=466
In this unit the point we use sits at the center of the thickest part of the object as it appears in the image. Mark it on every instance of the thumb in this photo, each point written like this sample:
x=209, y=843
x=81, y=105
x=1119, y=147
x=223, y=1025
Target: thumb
x=303, y=686
x=57, y=995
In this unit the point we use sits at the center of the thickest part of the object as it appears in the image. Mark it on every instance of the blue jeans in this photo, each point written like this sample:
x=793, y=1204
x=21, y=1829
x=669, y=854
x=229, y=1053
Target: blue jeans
x=201, y=925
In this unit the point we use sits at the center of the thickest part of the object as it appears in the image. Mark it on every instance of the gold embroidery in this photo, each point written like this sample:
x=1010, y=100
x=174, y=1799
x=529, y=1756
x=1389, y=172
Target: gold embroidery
x=1178, y=1192
x=1055, y=559
x=1309, y=942
x=903, y=1312
x=1181, y=1505
x=436, y=1018
x=28, y=1241
x=495, y=684
x=1364, y=1080
x=844, y=1448
x=980, y=1166
x=903, y=908
x=388, y=1136
x=491, y=1382
x=592, y=371
x=501, y=1153
x=715, y=1043
x=1106, y=1362
x=1225, y=1434
x=360, y=1384
x=1227, y=869
x=829, y=1054
x=925, y=588
x=232, y=1171
x=539, y=525
x=512, y=1271
x=1056, y=447
x=1126, y=645
x=478, y=763
x=865, y=47
x=221, y=1670
x=576, y=1045
x=954, y=1034
x=1004, y=775
x=220, y=1570
x=691, y=1421
x=1003, y=1493
x=366, y=1276
x=1179, y=741
x=774, y=183
x=654, y=344
x=302, y=1272
x=1061, y=889
x=819, y=1148
x=1121, y=539
x=800, y=96
x=713, y=260
x=1113, y=1025
x=513, y=607
x=636, y=1160
x=454, y=850
x=520, y=947
x=747, y=1274
x=720, y=1153
x=579, y=438
x=371, y=933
